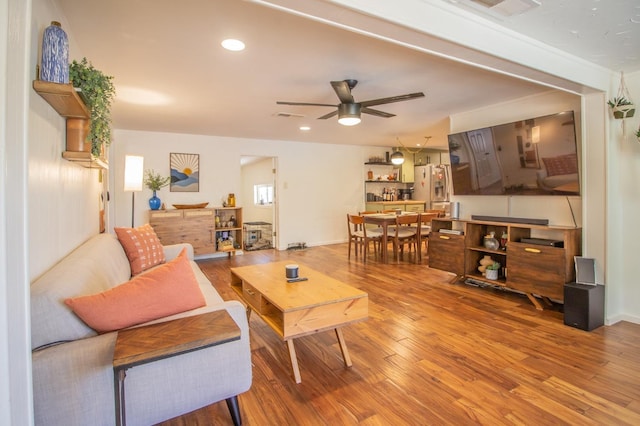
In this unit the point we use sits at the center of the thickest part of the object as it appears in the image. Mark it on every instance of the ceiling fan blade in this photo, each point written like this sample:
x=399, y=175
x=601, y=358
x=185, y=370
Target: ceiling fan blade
x=343, y=91
x=331, y=114
x=377, y=112
x=391, y=99
x=304, y=103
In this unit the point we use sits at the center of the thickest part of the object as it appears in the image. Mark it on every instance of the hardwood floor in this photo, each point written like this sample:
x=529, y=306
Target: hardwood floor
x=433, y=353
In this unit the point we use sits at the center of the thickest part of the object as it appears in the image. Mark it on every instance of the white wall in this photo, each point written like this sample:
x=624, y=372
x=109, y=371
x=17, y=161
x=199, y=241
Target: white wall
x=623, y=184
x=63, y=196
x=256, y=173
x=16, y=396
x=318, y=183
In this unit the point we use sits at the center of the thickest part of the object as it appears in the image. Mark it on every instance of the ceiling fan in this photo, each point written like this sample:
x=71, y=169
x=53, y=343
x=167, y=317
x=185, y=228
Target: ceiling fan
x=348, y=111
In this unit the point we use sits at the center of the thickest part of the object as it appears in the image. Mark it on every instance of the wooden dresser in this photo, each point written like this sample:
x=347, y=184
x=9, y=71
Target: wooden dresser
x=199, y=227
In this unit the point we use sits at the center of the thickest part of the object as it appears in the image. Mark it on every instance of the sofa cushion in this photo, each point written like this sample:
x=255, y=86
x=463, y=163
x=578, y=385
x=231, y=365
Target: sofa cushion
x=168, y=289
x=95, y=266
x=142, y=247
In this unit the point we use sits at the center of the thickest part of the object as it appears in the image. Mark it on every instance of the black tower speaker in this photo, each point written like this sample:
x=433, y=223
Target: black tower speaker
x=583, y=306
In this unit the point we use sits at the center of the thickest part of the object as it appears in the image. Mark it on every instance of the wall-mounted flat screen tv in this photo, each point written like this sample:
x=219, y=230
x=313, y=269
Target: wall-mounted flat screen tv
x=537, y=156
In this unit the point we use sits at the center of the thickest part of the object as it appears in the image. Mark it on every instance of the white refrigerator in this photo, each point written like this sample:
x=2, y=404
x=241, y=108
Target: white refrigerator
x=432, y=183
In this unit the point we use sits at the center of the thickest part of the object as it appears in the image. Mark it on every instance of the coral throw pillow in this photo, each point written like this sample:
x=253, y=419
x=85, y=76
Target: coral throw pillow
x=166, y=290
x=142, y=247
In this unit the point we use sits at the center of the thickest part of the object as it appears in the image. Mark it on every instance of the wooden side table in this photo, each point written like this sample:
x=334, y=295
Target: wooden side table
x=146, y=344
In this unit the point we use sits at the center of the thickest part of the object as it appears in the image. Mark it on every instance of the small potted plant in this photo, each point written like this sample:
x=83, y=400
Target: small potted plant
x=97, y=91
x=492, y=271
x=638, y=134
x=622, y=107
x=154, y=181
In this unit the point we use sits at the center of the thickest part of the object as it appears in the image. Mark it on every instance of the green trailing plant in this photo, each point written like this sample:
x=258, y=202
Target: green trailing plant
x=154, y=181
x=98, y=91
x=494, y=266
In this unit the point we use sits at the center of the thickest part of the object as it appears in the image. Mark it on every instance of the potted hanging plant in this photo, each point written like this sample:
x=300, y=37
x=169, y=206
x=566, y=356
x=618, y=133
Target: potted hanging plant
x=492, y=271
x=622, y=107
x=97, y=91
x=154, y=181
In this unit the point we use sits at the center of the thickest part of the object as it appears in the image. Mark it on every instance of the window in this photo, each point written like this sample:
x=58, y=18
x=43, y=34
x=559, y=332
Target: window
x=263, y=194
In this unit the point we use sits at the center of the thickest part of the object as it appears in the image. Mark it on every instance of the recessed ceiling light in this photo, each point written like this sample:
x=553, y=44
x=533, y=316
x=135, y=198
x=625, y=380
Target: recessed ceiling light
x=305, y=128
x=233, y=44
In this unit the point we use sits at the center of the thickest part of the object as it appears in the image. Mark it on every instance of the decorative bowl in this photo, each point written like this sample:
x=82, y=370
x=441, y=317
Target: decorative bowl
x=190, y=206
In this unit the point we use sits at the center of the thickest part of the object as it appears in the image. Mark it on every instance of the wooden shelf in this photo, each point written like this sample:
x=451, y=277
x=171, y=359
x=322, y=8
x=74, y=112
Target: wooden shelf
x=63, y=98
x=85, y=159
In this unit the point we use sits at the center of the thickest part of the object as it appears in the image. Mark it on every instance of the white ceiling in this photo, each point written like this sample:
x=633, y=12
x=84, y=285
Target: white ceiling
x=172, y=50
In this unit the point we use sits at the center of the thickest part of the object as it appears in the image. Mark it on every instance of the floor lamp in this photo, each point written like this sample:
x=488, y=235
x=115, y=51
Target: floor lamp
x=133, y=174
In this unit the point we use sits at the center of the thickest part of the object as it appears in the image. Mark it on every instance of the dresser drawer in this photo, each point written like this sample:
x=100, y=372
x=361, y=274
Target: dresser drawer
x=254, y=298
x=536, y=269
x=444, y=252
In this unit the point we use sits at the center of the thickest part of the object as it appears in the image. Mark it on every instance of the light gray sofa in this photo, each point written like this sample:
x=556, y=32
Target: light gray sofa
x=73, y=382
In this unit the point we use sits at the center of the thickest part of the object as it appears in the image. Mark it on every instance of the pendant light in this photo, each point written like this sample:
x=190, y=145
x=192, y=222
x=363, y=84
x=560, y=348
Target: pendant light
x=397, y=158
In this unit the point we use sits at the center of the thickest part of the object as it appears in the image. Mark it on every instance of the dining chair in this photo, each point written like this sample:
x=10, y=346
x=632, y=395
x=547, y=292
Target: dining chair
x=405, y=232
x=423, y=228
x=439, y=212
x=361, y=236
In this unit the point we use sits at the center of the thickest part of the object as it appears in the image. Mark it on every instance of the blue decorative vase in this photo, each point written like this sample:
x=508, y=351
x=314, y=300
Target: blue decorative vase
x=54, y=65
x=154, y=202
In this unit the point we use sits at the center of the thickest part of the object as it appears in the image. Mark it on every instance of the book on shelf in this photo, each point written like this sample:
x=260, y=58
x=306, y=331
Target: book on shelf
x=451, y=231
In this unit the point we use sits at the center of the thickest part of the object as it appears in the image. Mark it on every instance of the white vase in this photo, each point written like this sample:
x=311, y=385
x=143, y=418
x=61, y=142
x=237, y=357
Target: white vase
x=491, y=274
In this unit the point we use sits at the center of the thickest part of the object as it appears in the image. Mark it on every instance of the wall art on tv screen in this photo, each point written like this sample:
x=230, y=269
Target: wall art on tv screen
x=185, y=172
x=537, y=156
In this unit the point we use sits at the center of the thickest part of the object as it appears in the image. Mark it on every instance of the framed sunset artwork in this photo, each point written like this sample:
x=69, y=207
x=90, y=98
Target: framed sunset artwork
x=185, y=172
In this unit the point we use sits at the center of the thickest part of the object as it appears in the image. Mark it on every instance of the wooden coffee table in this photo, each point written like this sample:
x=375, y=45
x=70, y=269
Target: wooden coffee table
x=149, y=343
x=298, y=309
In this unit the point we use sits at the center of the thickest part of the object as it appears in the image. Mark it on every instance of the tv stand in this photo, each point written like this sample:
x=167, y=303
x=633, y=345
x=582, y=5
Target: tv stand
x=536, y=270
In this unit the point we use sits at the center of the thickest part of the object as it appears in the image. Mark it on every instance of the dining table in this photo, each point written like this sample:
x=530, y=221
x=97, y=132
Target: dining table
x=383, y=220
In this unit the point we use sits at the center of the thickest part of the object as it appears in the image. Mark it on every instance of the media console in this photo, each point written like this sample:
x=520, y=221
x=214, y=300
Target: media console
x=527, y=266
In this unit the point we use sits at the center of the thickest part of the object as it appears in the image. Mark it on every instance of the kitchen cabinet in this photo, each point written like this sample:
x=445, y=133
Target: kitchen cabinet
x=407, y=169
x=406, y=205
x=209, y=231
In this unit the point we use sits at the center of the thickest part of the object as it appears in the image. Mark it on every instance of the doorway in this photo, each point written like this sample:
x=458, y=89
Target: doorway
x=259, y=201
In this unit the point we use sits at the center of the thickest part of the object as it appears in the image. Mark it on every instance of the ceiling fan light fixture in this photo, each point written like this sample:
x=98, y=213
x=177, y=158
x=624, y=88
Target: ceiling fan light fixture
x=349, y=114
x=397, y=158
